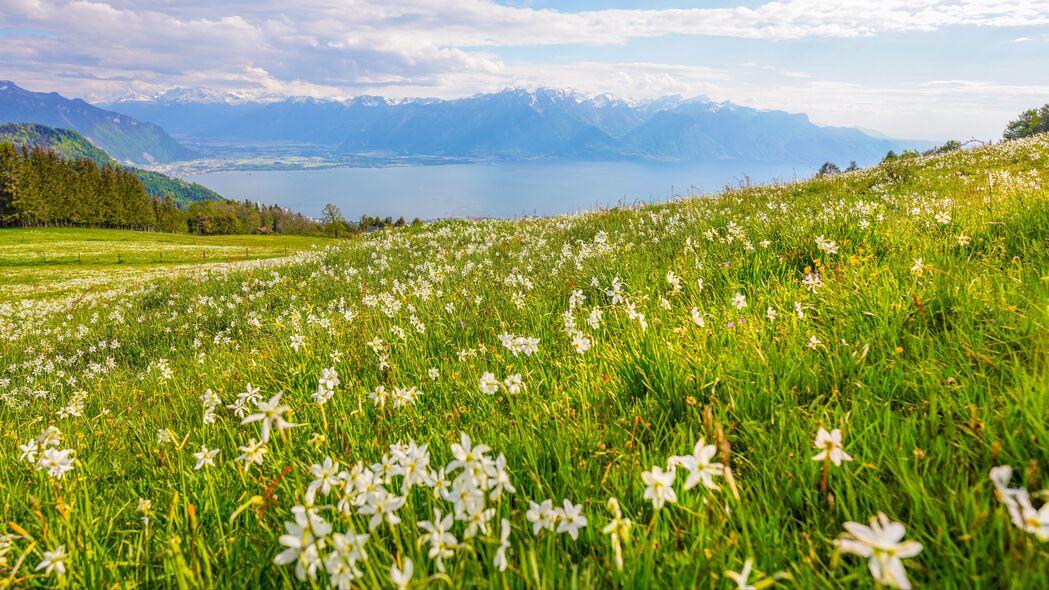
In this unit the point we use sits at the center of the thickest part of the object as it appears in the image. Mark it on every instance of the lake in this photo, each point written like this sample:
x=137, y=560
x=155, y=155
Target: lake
x=505, y=189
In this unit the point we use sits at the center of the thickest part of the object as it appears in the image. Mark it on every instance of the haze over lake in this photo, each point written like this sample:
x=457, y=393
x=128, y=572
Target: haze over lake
x=505, y=189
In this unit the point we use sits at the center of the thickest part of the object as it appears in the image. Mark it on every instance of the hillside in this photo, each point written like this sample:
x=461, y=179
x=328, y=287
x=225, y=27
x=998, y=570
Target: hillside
x=68, y=144
x=708, y=393
x=73, y=146
x=122, y=137
x=518, y=124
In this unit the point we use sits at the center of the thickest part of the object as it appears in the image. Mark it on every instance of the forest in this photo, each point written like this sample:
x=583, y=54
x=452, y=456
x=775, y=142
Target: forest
x=39, y=187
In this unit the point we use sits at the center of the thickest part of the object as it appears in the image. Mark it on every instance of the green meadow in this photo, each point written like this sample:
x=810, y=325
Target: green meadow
x=835, y=383
x=47, y=262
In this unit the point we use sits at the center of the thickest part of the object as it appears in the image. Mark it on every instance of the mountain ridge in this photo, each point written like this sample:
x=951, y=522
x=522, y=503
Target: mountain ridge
x=519, y=123
x=121, y=136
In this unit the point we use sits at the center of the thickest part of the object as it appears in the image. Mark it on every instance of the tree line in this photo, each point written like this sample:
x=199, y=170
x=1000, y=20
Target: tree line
x=40, y=188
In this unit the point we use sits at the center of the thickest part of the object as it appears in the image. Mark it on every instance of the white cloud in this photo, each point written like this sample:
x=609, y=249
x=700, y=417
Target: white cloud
x=102, y=49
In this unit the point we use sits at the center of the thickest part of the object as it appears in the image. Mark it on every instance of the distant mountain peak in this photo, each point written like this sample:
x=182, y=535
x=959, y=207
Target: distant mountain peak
x=188, y=96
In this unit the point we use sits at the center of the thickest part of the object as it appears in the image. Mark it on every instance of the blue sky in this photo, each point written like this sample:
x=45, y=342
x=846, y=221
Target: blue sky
x=931, y=69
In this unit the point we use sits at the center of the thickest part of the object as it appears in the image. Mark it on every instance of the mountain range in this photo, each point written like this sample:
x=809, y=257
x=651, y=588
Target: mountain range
x=515, y=124
x=122, y=137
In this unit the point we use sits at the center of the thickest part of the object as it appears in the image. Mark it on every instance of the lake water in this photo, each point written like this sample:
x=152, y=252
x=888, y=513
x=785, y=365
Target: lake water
x=488, y=190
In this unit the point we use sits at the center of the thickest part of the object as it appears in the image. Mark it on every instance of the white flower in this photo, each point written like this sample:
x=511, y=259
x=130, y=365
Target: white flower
x=489, y=384
x=271, y=415
x=297, y=342
x=467, y=456
x=674, y=281
x=330, y=378
x=304, y=539
x=500, y=561
x=325, y=477
x=383, y=506
x=403, y=397
x=770, y=313
x=827, y=246
x=831, y=447
x=541, y=516
x=882, y=543
x=205, y=457
x=164, y=436
x=697, y=318
x=739, y=300
x=499, y=479
x=30, y=450
x=812, y=282
x=54, y=561
x=619, y=531
x=943, y=217
x=580, y=342
x=438, y=535
x=918, y=268
x=1018, y=501
x=56, y=462
x=341, y=562
x=514, y=384
x=700, y=468
x=594, y=319
x=615, y=293
x=660, y=488
x=379, y=396
x=252, y=453
x=402, y=577
x=570, y=519
x=433, y=374
x=814, y=342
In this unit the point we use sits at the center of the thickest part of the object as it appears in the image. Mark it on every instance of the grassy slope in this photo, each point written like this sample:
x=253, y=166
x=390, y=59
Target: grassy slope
x=934, y=378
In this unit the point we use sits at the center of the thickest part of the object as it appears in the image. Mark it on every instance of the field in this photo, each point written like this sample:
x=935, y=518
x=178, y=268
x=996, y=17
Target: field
x=49, y=262
x=629, y=398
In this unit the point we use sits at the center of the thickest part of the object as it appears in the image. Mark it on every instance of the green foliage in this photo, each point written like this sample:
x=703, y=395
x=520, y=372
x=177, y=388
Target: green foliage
x=231, y=217
x=949, y=146
x=333, y=220
x=39, y=187
x=828, y=169
x=1030, y=122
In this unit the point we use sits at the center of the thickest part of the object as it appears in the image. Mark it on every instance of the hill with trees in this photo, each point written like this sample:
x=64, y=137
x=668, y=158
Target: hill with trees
x=74, y=146
x=41, y=185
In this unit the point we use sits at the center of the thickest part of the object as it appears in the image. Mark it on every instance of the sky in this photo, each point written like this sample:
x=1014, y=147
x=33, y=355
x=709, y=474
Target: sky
x=915, y=69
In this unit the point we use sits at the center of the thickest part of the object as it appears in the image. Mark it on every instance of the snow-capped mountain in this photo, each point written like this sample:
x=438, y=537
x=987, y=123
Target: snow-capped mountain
x=513, y=123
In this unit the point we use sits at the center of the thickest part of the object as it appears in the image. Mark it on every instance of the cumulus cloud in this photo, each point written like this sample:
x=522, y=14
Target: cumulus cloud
x=102, y=49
